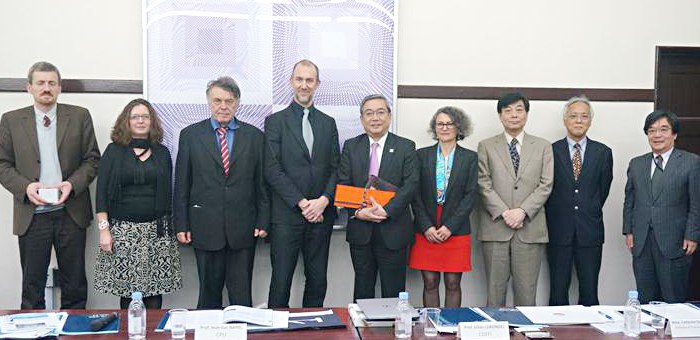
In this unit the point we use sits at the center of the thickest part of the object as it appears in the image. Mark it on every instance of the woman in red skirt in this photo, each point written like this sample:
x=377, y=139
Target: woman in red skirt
x=442, y=206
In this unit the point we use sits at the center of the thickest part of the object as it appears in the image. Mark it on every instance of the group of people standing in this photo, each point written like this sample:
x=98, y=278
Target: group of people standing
x=234, y=184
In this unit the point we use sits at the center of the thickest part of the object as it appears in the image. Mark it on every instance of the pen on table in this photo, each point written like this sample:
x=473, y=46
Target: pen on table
x=606, y=315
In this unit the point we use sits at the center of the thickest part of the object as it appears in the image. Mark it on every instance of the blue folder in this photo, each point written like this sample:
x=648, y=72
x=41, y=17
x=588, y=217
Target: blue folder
x=80, y=325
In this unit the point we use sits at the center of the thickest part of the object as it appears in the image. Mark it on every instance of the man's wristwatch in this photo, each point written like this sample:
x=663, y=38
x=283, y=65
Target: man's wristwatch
x=102, y=224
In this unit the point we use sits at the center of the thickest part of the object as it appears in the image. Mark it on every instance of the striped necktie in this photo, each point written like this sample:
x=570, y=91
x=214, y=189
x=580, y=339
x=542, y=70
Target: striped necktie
x=224, y=148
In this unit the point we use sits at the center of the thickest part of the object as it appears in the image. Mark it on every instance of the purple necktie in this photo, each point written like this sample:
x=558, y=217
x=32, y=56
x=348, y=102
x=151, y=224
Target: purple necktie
x=374, y=160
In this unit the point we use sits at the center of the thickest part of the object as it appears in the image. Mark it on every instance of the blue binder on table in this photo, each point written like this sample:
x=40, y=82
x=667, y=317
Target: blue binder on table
x=80, y=325
x=296, y=321
x=514, y=317
x=453, y=316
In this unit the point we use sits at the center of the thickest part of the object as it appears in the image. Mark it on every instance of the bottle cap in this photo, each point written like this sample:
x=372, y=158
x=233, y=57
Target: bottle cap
x=633, y=294
x=403, y=296
x=136, y=295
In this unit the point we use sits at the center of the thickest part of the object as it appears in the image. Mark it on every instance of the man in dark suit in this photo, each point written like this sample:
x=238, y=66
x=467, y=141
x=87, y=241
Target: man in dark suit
x=582, y=177
x=379, y=236
x=304, y=142
x=661, y=217
x=46, y=150
x=220, y=200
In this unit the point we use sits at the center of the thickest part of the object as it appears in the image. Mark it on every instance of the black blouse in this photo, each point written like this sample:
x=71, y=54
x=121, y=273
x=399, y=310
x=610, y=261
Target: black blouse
x=127, y=200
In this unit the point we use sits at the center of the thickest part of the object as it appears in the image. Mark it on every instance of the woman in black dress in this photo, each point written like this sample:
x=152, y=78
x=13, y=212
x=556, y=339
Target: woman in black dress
x=138, y=249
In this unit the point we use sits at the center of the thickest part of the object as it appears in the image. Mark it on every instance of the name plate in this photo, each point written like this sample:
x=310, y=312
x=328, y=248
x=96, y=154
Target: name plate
x=685, y=328
x=229, y=331
x=483, y=330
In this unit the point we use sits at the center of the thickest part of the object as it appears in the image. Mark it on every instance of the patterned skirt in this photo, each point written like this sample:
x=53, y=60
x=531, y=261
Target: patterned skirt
x=140, y=261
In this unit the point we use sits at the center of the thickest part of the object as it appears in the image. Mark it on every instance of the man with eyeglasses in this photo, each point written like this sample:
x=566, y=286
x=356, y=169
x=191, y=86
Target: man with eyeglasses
x=48, y=158
x=574, y=210
x=379, y=236
x=515, y=179
x=661, y=216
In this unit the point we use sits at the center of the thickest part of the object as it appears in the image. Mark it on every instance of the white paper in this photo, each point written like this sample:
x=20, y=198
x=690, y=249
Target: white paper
x=49, y=195
x=674, y=311
x=196, y=318
x=618, y=327
x=562, y=315
x=249, y=315
x=32, y=325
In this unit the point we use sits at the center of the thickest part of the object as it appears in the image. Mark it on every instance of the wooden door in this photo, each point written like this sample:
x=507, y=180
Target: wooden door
x=677, y=89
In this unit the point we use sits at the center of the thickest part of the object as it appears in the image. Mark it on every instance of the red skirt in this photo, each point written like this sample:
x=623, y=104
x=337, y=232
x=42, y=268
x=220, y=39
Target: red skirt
x=453, y=255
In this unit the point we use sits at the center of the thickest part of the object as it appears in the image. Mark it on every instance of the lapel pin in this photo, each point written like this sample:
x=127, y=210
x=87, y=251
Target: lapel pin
x=391, y=150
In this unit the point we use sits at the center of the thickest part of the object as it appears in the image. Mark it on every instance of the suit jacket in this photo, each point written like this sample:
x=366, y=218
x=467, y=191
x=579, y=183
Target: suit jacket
x=398, y=166
x=220, y=210
x=294, y=175
x=674, y=214
x=460, y=195
x=575, y=208
x=78, y=156
x=501, y=189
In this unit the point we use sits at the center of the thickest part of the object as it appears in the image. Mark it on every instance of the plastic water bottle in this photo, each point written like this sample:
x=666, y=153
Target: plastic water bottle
x=403, y=326
x=137, y=317
x=633, y=314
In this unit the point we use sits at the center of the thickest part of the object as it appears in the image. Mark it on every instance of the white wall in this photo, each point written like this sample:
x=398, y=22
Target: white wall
x=537, y=43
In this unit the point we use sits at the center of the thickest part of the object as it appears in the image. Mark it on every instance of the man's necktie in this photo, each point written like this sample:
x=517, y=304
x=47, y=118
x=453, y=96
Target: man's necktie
x=514, y=155
x=47, y=121
x=224, y=148
x=307, y=132
x=656, y=177
x=577, y=161
x=374, y=160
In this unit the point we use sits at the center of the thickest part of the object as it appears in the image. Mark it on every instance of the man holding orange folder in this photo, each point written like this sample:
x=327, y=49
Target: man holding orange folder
x=379, y=235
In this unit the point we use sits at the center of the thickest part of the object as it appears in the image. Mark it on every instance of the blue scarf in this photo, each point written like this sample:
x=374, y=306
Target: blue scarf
x=442, y=173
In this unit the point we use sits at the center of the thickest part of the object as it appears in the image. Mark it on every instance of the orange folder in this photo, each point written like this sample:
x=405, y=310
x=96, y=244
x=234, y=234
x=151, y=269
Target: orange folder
x=354, y=197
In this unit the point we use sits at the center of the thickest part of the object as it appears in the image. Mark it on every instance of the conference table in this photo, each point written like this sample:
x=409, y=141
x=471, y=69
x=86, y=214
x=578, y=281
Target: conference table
x=154, y=316
x=347, y=333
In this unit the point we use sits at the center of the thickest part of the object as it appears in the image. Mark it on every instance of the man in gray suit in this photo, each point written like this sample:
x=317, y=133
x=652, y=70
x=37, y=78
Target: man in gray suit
x=48, y=157
x=661, y=218
x=516, y=173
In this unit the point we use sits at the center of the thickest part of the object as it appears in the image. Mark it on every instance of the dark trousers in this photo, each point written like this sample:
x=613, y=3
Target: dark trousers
x=587, y=261
x=234, y=267
x=658, y=277
x=53, y=229
x=369, y=258
x=313, y=240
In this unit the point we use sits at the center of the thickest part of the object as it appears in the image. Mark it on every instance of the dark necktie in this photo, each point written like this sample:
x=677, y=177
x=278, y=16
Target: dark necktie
x=47, y=121
x=656, y=177
x=514, y=155
x=224, y=148
x=577, y=161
